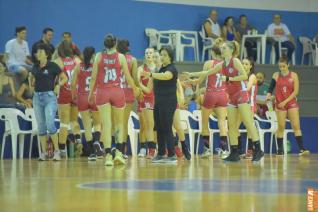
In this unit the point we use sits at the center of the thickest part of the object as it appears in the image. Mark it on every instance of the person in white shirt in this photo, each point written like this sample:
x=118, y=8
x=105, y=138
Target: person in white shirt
x=211, y=26
x=18, y=54
x=280, y=33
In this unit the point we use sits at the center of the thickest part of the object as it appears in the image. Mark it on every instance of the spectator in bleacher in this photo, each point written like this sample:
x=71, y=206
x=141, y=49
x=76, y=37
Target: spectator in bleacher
x=280, y=33
x=68, y=37
x=211, y=26
x=18, y=54
x=262, y=85
x=7, y=91
x=228, y=29
x=25, y=93
x=47, y=36
x=261, y=94
x=243, y=28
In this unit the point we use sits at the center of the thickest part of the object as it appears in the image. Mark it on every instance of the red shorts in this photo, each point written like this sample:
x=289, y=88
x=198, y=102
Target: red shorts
x=129, y=95
x=147, y=103
x=290, y=105
x=113, y=95
x=213, y=99
x=83, y=104
x=65, y=97
x=239, y=97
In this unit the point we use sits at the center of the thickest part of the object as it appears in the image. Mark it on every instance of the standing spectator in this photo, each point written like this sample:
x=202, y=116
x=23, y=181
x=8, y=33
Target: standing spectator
x=228, y=29
x=18, y=53
x=211, y=26
x=280, y=33
x=7, y=91
x=47, y=36
x=242, y=29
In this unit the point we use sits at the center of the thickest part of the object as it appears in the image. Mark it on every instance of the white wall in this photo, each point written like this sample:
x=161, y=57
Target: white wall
x=283, y=5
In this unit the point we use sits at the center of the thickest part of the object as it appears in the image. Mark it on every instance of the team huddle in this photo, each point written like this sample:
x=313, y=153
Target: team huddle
x=103, y=88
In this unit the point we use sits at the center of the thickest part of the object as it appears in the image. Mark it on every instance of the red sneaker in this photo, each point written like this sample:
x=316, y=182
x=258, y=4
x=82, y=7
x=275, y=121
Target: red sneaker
x=178, y=151
x=151, y=153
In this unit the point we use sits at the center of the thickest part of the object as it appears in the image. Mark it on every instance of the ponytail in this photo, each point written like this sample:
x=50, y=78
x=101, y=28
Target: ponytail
x=236, y=49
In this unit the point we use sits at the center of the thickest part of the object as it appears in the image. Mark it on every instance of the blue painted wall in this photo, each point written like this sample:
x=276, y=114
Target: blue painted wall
x=89, y=21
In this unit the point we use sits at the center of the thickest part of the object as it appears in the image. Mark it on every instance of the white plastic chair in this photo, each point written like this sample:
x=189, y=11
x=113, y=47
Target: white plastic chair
x=280, y=50
x=207, y=45
x=133, y=132
x=262, y=131
x=193, y=127
x=10, y=117
x=308, y=48
x=214, y=129
x=157, y=40
x=29, y=112
x=191, y=43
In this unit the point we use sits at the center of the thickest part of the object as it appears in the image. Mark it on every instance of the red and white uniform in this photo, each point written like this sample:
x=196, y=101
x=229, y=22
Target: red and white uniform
x=65, y=94
x=109, y=81
x=284, y=88
x=215, y=94
x=83, y=81
x=149, y=98
x=253, y=93
x=129, y=93
x=237, y=90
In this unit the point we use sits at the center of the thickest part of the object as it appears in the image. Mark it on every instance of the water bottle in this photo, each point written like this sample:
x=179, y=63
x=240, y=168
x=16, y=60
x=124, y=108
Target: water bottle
x=71, y=149
x=269, y=104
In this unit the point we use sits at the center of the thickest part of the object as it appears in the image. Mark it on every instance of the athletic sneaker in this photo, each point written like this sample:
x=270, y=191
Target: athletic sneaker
x=142, y=153
x=206, y=152
x=151, y=153
x=186, y=152
x=92, y=157
x=63, y=154
x=257, y=155
x=178, y=151
x=78, y=149
x=119, y=158
x=224, y=154
x=233, y=157
x=158, y=159
x=125, y=156
x=170, y=160
x=99, y=152
x=109, y=160
x=249, y=154
x=57, y=155
x=303, y=152
x=43, y=157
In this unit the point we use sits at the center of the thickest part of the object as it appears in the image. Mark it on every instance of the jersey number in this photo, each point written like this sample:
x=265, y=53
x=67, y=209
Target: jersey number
x=110, y=75
x=87, y=82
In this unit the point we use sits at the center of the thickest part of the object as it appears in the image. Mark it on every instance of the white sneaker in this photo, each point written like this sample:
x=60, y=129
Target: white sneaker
x=63, y=153
x=225, y=154
x=57, y=155
x=142, y=153
x=206, y=153
x=43, y=157
x=109, y=160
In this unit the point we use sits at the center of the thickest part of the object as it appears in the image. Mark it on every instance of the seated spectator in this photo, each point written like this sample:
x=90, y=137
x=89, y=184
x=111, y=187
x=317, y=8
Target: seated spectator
x=211, y=26
x=25, y=94
x=262, y=85
x=228, y=30
x=261, y=94
x=17, y=53
x=47, y=36
x=7, y=90
x=242, y=29
x=280, y=33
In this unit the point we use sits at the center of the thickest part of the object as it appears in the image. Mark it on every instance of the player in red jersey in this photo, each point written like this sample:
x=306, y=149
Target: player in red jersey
x=252, y=88
x=215, y=99
x=123, y=48
x=286, y=84
x=80, y=88
x=108, y=68
x=146, y=85
x=234, y=76
x=67, y=108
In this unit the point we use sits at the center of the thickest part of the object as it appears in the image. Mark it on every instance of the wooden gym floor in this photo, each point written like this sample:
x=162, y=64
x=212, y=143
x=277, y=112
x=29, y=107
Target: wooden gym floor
x=274, y=184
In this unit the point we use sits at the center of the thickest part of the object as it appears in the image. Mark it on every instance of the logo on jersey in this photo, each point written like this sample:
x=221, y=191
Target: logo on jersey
x=46, y=71
x=231, y=70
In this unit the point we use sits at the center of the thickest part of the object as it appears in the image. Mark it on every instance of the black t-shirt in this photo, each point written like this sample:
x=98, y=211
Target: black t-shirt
x=166, y=88
x=45, y=77
x=35, y=49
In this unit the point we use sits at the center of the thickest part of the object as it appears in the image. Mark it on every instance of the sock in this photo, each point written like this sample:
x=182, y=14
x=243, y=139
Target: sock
x=71, y=137
x=78, y=138
x=62, y=146
x=257, y=145
x=151, y=145
x=280, y=144
x=234, y=149
x=250, y=144
x=223, y=142
x=96, y=136
x=206, y=139
x=143, y=145
x=120, y=147
x=239, y=143
x=300, y=143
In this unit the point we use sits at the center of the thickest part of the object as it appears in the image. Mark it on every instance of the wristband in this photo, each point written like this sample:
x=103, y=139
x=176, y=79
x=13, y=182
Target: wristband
x=150, y=74
x=227, y=78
